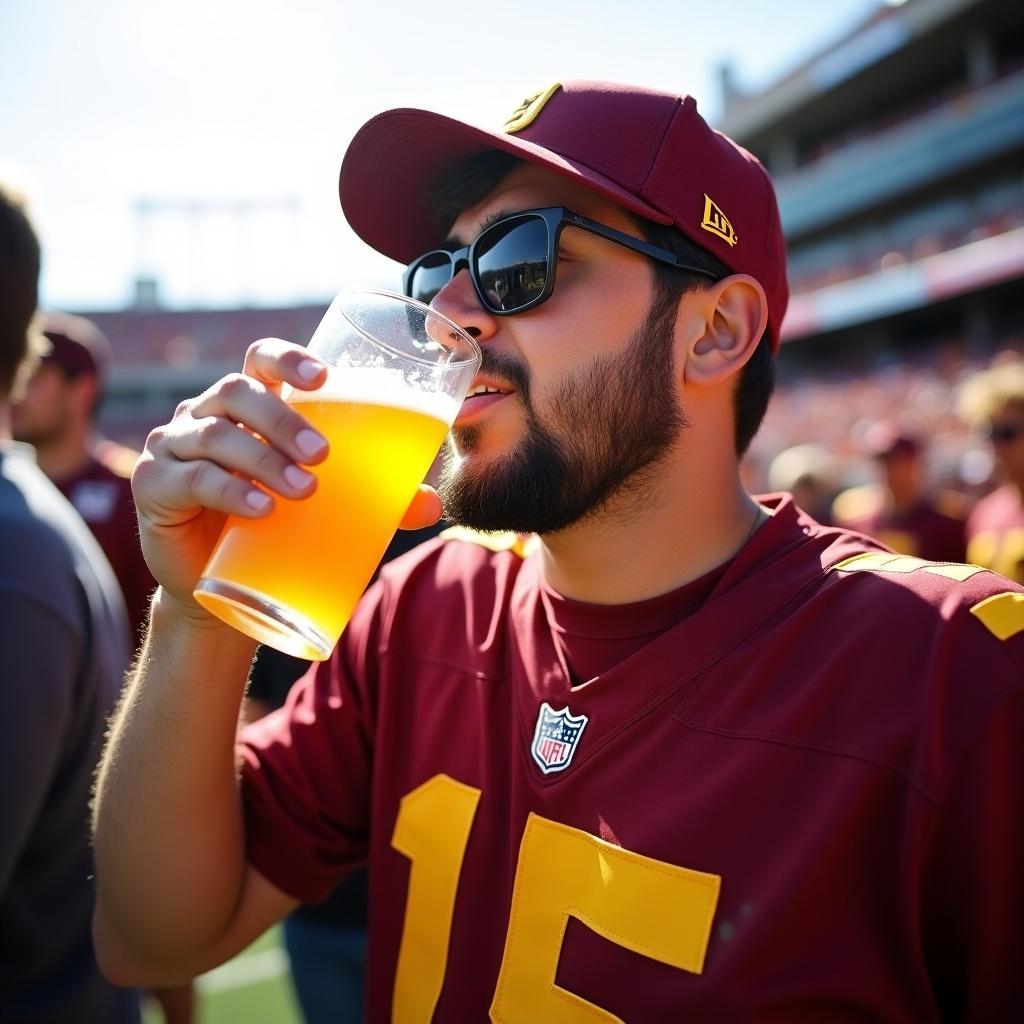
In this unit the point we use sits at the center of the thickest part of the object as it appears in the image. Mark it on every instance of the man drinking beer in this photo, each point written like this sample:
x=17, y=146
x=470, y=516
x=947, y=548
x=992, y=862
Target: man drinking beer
x=627, y=744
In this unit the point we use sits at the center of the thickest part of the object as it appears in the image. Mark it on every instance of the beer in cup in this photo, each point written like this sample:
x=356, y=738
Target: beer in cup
x=398, y=372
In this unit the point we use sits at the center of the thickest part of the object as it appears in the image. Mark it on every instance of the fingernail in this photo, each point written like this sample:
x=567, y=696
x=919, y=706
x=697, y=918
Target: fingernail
x=297, y=477
x=309, y=442
x=308, y=369
x=257, y=500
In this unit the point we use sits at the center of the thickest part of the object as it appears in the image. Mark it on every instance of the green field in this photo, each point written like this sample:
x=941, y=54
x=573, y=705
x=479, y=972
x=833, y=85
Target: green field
x=254, y=988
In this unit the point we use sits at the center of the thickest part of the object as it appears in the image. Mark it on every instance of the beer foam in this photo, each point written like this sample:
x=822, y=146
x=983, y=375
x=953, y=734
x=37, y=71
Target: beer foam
x=377, y=386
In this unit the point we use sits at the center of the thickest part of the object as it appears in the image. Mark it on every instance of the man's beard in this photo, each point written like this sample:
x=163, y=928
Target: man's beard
x=615, y=421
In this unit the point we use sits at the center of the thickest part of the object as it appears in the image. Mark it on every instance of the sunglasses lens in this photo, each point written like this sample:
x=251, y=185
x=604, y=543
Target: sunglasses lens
x=512, y=263
x=431, y=274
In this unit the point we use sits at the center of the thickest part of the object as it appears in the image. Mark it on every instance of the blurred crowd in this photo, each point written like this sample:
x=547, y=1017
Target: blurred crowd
x=924, y=394
x=882, y=451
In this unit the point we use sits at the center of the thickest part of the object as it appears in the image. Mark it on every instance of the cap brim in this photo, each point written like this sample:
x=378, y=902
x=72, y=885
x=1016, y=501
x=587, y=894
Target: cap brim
x=397, y=157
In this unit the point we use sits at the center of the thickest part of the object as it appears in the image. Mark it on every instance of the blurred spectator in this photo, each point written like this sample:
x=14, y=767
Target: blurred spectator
x=57, y=415
x=65, y=644
x=807, y=472
x=901, y=509
x=993, y=402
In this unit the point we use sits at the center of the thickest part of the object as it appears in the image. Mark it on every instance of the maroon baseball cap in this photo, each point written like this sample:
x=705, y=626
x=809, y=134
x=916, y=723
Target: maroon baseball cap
x=650, y=152
x=76, y=345
x=884, y=440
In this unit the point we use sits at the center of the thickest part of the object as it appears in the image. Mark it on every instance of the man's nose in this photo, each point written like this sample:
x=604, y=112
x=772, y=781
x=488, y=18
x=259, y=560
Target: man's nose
x=459, y=301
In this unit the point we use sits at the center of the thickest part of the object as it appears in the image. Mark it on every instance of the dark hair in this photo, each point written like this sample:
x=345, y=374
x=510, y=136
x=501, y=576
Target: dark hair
x=19, y=288
x=467, y=183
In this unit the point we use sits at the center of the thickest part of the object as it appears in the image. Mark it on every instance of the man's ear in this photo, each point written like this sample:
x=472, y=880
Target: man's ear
x=735, y=316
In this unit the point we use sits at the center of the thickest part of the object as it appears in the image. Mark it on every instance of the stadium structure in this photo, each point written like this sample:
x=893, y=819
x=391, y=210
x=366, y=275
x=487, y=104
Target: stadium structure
x=898, y=155
x=898, y=158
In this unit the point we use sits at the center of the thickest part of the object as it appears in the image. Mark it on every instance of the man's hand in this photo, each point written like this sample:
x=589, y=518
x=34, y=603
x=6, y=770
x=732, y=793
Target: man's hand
x=232, y=450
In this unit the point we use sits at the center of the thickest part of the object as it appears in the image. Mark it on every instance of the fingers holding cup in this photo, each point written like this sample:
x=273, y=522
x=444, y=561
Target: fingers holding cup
x=274, y=362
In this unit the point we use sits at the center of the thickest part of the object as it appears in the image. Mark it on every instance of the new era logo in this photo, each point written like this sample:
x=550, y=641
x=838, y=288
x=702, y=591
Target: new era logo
x=716, y=221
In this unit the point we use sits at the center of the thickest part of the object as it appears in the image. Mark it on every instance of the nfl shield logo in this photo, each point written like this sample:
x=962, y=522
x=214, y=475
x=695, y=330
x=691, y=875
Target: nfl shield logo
x=555, y=738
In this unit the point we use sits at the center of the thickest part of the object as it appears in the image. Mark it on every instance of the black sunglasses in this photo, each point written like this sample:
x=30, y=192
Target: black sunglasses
x=512, y=262
x=1005, y=432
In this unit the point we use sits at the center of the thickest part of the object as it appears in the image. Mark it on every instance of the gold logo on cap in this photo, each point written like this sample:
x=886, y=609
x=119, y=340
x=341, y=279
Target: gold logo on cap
x=527, y=111
x=716, y=222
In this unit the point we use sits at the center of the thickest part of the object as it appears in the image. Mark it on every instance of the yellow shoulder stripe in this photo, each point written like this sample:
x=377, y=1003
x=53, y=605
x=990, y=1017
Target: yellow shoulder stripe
x=518, y=544
x=882, y=561
x=1002, y=614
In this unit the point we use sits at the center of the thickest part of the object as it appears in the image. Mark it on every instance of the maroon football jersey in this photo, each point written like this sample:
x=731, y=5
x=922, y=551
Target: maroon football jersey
x=102, y=495
x=995, y=532
x=799, y=803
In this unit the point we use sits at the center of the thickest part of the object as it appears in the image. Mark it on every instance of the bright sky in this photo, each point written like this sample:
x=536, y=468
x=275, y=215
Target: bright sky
x=106, y=103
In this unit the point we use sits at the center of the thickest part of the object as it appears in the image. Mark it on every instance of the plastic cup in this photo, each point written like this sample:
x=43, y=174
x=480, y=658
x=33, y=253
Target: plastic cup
x=398, y=373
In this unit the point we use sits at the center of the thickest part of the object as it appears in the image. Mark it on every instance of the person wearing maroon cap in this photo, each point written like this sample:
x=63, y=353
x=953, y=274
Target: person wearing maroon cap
x=57, y=416
x=992, y=401
x=627, y=743
x=900, y=510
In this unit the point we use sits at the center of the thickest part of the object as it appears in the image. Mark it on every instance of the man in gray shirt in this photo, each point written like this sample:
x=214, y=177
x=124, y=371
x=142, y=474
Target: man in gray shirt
x=63, y=651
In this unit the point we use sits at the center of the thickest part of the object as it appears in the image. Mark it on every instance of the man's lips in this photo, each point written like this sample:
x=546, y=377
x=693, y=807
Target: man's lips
x=481, y=397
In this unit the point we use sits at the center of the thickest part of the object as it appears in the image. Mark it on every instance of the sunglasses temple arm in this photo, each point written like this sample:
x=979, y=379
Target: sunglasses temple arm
x=653, y=252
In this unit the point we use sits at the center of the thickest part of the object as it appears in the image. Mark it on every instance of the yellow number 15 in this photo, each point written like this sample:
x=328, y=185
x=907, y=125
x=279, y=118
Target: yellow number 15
x=646, y=905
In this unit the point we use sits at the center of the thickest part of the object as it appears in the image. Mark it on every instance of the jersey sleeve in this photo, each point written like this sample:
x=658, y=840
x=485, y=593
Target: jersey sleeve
x=305, y=768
